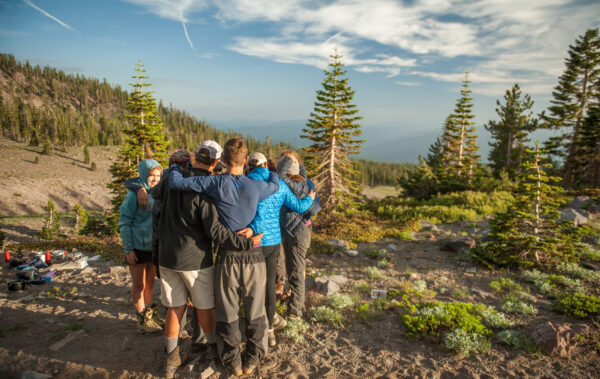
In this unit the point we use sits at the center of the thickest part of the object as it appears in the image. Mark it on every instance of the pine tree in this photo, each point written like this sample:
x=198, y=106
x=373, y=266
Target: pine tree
x=86, y=155
x=576, y=92
x=510, y=132
x=333, y=132
x=145, y=140
x=587, y=157
x=529, y=233
x=51, y=228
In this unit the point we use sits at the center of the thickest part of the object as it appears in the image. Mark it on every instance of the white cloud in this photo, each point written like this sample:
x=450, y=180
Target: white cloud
x=500, y=41
x=61, y=23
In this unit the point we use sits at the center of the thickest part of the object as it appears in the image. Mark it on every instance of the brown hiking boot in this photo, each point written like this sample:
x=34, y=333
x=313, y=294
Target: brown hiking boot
x=272, y=340
x=146, y=323
x=159, y=321
x=172, y=362
x=279, y=322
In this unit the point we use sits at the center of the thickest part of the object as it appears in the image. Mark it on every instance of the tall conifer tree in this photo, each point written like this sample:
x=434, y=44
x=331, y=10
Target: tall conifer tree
x=587, y=157
x=333, y=132
x=576, y=92
x=145, y=140
x=510, y=132
x=529, y=233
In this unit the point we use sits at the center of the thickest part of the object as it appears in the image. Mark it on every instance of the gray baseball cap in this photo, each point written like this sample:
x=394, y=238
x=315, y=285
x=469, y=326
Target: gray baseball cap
x=213, y=150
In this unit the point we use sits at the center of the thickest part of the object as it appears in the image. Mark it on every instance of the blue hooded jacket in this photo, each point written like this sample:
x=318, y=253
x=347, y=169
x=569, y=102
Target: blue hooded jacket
x=135, y=224
x=267, y=213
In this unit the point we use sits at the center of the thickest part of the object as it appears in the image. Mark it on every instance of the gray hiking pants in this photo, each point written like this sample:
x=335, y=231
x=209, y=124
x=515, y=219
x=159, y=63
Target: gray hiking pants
x=296, y=248
x=240, y=276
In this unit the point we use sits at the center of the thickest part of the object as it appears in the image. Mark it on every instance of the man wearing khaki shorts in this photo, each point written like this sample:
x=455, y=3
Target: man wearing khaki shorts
x=188, y=227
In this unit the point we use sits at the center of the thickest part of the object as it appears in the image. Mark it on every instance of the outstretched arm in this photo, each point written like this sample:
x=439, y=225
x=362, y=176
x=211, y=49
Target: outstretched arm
x=200, y=184
x=294, y=204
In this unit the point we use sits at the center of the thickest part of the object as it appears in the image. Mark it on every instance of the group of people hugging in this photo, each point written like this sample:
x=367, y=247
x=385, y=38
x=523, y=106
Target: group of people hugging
x=215, y=241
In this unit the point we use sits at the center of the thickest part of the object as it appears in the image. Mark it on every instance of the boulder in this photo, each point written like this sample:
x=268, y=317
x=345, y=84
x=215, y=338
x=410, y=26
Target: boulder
x=459, y=245
x=576, y=217
x=558, y=339
x=391, y=247
x=328, y=285
x=352, y=253
x=428, y=226
x=580, y=202
x=338, y=244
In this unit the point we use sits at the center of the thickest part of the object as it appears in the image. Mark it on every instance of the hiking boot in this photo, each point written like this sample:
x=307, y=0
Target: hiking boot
x=211, y=354
x=272, y=340
x=146, y=324
x=278, y=322
x=235, y=368
x=159, y=321
x=249, y=367
x=172, y=362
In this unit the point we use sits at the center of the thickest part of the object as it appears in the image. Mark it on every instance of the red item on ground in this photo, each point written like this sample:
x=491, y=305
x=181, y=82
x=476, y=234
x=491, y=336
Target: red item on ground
x=48, y=258
x=7, y=256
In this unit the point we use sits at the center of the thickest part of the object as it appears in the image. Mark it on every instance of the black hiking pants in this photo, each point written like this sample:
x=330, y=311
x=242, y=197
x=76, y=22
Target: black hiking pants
x=296, y=248
x=240, y=276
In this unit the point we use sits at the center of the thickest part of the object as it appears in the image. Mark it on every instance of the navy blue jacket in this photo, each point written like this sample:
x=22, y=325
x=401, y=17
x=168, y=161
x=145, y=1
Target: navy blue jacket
x=235, y=196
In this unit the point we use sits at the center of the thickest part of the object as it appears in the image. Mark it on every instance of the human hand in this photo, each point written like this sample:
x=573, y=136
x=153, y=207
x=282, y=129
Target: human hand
x=131, y=258
x=256, y=239
x=246, y=232
x=143, y=199
x=312, y=194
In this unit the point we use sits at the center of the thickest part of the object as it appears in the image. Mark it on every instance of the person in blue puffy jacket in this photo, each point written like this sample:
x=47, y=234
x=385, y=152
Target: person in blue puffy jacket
x=135, y=226
x=267, y=221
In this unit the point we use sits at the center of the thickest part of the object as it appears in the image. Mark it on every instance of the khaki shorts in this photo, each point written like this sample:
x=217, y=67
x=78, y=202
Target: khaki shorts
x=176, y=286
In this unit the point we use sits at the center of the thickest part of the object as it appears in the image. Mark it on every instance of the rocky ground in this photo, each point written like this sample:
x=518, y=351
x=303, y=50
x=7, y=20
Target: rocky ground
x=92, y=307
x=82, y=324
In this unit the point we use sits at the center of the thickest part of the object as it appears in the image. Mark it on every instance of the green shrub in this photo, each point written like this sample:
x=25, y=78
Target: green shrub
x=369, y=312
x=463, y=342
x=326, y=314
x=573, y=269
x=519, y=307
x=589, y=253
x=36, y=160
x=295, y=330
x=81, y=218
x=94, y=167
x=318, y=245
x=516, y=339
x=578, y=304
x=451, y=207
x=340, y=301
x=505, y=286
x=377, y=254
x=495, y=320
x=374, y=273
x=432, y=319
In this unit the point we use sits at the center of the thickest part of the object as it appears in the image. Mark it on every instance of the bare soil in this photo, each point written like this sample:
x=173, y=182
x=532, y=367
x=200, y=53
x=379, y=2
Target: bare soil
x=107, y=344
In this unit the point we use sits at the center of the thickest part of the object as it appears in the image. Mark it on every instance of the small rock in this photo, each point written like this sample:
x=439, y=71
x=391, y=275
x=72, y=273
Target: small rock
x=576, y=217
x=118, y=270
x=482, y=294
x=428, y=226
x=352, y=253
x=459, y=245
x=328, y=285
x=391, y=246
x=471, y=270
x=88, y=270
x=338, y=244
x=24, y=299
x=34, y=375
x=126, y=345
x=70, y=337
x=50, y=321
x=431, y=237
x=558, y=339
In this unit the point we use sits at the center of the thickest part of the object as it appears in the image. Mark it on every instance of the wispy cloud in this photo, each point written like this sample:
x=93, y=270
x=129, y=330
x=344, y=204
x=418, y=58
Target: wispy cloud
x=499, y=41
x=175, y=10
x=63, y=24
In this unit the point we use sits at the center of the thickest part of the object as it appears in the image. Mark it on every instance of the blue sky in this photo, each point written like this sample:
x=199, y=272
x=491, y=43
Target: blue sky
x=241, y=63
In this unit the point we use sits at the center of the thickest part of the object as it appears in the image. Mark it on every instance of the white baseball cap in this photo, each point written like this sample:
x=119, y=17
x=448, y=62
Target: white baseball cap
x=214, y=149
x=258, y=157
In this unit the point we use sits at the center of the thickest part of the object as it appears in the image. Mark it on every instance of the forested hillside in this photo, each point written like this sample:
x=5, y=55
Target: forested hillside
x=43, y=103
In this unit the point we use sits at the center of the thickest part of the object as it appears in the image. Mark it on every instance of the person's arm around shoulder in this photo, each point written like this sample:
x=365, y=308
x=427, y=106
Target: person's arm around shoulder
x=266, y=189
x=200, y=184
x=128, y=210
x=135, y=186
x=217, y=232
x=293, y=203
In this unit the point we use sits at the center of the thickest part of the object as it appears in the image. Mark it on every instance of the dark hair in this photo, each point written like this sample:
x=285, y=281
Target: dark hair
x=272, y=165
x=203, y=156
x=234, y=152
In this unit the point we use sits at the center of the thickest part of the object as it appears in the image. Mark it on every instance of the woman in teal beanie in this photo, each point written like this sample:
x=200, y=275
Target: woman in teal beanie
x=135, y=225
